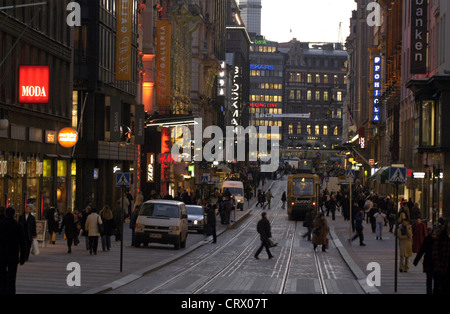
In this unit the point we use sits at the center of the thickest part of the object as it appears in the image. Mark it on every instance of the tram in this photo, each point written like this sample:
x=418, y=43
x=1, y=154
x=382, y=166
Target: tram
x=302, y=195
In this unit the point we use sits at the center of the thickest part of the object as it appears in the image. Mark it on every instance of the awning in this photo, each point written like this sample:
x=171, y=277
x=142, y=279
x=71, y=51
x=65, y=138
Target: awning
x=381, y=176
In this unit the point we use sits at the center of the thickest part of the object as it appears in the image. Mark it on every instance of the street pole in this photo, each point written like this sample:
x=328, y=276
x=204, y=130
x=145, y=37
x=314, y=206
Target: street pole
x=121, y=232
x=351, y=210
x=396, y=238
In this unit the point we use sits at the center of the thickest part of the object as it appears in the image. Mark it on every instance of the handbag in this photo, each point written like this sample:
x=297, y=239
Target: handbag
x=272, y=242
x=100, y=227
x=35, y=247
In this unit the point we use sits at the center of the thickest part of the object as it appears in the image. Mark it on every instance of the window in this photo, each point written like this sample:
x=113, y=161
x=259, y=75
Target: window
x=309, y=79
x=291, y=129
x=299, y=77
x=292, y=94
x=308, y=129
x=325, y=130
x=299, y=129
x=317, y=78
x=299, y=94
x=325, y=78
x=336, y=130
x=428, y=123
x=317, y=130
x=339, y=96
x=317, y=95
x=325, y=95
x=308, y=95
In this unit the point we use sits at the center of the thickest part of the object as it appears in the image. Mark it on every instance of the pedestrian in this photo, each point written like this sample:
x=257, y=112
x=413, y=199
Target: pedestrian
x=84, y=215
x=52, y=223
x=404, y=234
x=392, y=217
x=403, y=214
x=12, y=251
x=346, y=207
x=441, y=258
x=283, y=200
x=263, y=199
x=109, y=226
x=426, y=250
x=419, y=232
x=308, y=223
x=259, y=198
x=415, y=212
x=269, y=197
x=118, y=220
x=29, y=226
x=92, y=226
x=264, y=230
x=70, y=229
x=320, y=232
x=211, y=221
x=380, y=218
x=133, y=220
x=359, y=227
x=371, y=214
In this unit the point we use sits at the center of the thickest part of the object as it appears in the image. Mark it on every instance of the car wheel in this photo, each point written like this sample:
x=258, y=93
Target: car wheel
x=177, y=243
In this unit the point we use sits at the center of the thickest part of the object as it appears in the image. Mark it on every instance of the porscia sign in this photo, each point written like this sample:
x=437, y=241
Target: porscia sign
x=33, y=84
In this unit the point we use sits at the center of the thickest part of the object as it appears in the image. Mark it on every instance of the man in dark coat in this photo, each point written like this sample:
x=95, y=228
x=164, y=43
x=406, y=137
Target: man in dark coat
x=12, y=251
x=29, y=225
x=211, y=221
x=263, y=228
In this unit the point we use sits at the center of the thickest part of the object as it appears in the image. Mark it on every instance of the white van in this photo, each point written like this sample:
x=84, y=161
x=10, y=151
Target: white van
x=236, y=189
x=162, y=221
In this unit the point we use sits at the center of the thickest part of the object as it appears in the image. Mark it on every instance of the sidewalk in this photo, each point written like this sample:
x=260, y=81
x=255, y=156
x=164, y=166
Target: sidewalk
x=379, y=251
x=47, y=273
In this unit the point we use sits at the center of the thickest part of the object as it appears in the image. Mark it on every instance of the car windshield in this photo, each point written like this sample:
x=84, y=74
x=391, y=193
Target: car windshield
x=160, y=210
x=194, y=210
x=303, y=187
x=234, y=191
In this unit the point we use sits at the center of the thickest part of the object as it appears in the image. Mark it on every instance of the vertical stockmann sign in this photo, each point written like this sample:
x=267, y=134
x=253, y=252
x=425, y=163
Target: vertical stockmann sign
x=236, y=96
x=419, y=17
x=124, y=35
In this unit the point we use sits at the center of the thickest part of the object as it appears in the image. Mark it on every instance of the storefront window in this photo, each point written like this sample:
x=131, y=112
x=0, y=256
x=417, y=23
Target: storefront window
x=428, y=123
x=61, y=189
x=47, y=184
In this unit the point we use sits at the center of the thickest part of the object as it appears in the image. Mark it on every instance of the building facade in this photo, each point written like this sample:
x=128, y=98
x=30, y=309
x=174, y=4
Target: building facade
x=315, y=89
x=251, y=15
x=35, y=104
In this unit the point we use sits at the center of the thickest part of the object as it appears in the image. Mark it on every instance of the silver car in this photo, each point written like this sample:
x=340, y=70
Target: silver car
x=196, y=218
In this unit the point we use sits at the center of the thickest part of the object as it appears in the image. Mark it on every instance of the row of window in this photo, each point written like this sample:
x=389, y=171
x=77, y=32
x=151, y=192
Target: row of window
x=266, y=110
x=266, y=86
x=309, y=130
x=266, y=98
x=299, y=77
x=262, y=48
x=318, y=95
x=266, y=73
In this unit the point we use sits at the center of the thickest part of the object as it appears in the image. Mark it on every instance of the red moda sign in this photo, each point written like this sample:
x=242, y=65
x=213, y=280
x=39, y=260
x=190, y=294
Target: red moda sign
x=33, y=84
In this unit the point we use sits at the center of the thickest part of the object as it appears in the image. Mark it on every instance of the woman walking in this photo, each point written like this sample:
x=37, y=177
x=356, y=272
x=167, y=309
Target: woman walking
x=109, y=226
x=320, y=232
x=92, y=222
x=70, y=229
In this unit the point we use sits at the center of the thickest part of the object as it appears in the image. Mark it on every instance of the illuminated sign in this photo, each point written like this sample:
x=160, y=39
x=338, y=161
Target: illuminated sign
x=50, y=137
x=124, y=31
x=376, y=89
x=67, y=137
x=262, y=105
x=151, y=167
x=419, y=36
x=33, y=84
x=236, y=96
x=166, y=159
x=261, y=67
x=221, y=79
x=260, y=42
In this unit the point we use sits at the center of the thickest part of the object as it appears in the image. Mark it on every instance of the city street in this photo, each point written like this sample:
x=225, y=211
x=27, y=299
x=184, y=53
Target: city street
x=229, y=266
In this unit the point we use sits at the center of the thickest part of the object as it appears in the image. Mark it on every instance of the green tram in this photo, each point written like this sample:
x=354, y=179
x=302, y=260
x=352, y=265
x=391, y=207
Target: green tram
x=302, y=195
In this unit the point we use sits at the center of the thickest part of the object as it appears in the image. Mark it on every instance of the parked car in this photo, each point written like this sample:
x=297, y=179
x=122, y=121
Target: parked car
x=162, y=221
x=196, y=218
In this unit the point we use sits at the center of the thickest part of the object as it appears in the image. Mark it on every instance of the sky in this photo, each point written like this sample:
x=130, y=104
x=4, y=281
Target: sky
x=306, y=20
